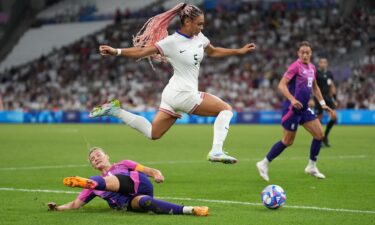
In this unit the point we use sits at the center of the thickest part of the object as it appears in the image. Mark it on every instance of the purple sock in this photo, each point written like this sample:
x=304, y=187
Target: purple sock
x=100, y=182
x=276, y=150
x=159, y=207
x=315, y=149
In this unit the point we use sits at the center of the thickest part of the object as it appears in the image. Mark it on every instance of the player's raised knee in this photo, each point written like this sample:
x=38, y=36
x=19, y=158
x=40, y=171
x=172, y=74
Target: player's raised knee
x=156, y=136
x=227, y=107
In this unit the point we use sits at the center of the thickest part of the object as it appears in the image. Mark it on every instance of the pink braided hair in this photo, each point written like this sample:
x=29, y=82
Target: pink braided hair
x=155, y=29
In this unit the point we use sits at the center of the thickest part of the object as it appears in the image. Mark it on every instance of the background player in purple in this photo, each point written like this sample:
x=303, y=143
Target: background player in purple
x=296, y=85
x=125, y=186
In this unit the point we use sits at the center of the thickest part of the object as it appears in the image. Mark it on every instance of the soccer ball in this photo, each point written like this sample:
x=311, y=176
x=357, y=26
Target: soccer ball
x=273, y=196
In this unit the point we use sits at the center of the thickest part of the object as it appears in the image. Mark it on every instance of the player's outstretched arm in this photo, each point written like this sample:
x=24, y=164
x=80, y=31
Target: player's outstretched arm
x=76, y=204
x=222, y=52
x=151, y=172
x=134, y=52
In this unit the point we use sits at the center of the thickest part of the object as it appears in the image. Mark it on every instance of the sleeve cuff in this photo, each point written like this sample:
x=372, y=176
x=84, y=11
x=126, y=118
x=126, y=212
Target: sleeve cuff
x=140, y=168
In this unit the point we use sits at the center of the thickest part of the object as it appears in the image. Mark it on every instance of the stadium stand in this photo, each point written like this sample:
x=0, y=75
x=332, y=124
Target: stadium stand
x=38, y=41
x=75, y=77
x=89, y=10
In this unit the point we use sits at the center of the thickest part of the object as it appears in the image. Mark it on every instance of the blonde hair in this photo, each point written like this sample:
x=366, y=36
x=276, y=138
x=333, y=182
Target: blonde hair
x=94, y=149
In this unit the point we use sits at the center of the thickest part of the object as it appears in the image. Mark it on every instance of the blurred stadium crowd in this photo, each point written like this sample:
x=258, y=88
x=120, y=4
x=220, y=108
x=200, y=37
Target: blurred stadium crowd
x=76, y=77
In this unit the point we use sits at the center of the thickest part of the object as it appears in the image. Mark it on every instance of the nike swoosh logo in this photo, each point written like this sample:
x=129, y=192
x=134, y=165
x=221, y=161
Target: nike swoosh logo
x=181, y=51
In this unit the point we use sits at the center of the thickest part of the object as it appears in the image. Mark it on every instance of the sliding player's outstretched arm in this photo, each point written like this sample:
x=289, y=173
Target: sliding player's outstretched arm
x=151, y=172
x=76, y=204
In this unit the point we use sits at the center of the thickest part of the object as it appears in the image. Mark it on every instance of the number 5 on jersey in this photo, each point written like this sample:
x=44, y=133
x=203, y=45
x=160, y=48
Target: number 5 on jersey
x=196, y=59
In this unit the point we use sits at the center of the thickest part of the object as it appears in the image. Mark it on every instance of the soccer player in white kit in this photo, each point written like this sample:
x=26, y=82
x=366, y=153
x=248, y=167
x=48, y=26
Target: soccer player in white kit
x=184, y=50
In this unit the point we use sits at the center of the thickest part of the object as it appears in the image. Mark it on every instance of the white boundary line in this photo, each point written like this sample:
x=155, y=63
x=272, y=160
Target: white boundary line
x=208, y=200
x=39, y=190
x=184, y=162
x=43, y=167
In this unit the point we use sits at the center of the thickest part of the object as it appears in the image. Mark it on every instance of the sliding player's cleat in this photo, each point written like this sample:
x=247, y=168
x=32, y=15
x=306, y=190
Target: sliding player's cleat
x=80, y=182
x=200, y=210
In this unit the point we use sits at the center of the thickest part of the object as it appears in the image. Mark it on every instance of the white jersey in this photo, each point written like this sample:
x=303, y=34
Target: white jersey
x=185, y=55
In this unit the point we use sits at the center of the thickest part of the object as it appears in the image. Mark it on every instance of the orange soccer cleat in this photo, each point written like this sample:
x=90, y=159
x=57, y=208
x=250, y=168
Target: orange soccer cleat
x=200, y=210
x=79, y=182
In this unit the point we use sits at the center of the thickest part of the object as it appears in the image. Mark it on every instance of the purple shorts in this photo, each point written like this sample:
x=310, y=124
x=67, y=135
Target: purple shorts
x=117, y=200
x=124, y=201
x=292, y=117
x=145, y=186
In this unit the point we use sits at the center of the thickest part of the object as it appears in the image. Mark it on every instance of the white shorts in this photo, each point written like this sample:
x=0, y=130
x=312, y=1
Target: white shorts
x=175, y=102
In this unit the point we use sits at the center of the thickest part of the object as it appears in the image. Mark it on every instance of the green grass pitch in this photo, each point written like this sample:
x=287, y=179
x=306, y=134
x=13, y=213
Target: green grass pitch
x=38, y=157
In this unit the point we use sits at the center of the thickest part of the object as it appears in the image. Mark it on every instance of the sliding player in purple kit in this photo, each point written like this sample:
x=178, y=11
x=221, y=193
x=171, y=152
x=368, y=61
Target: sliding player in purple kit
x=125, y=186
x=296, y=85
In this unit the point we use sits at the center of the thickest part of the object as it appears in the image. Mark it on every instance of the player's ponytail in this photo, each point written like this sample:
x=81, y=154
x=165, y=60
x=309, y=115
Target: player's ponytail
x=156, y=28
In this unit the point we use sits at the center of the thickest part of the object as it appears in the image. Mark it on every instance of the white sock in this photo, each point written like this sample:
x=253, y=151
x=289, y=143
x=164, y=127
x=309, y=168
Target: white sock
x=139, y=123
x=187, y=210
x=312, y=163
x=265, y=161
x=221, y=127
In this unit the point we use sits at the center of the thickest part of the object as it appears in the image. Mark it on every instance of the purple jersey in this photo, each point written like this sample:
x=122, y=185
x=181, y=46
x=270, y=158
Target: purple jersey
x=121, y=167
x=142, y=185
x=301, y=78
